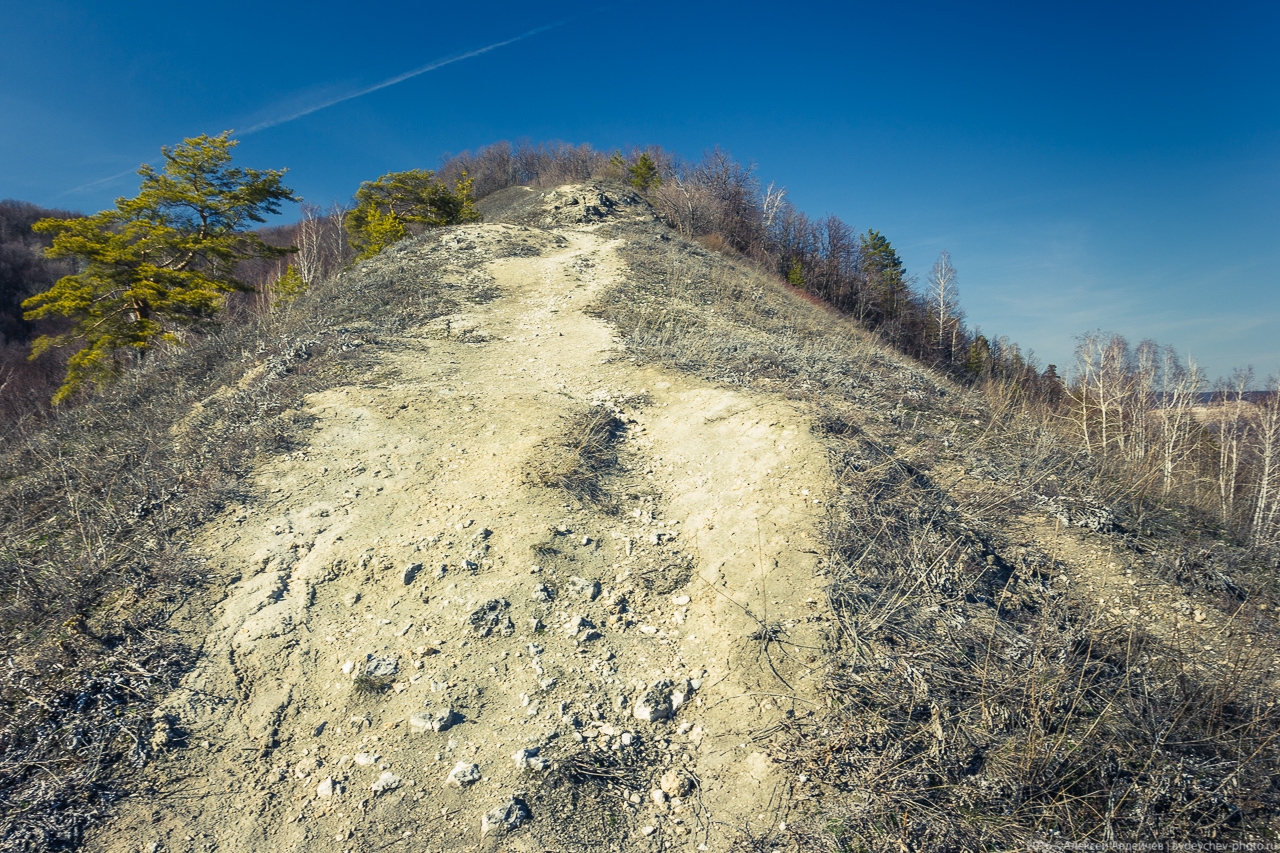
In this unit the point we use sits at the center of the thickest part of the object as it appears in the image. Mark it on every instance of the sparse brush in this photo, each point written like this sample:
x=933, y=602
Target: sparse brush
x=371, y=684
x=96, y=503
x=578, y=460
x=977, y=707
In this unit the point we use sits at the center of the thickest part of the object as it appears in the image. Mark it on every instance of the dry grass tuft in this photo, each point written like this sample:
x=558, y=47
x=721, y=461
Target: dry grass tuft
x=580, y=458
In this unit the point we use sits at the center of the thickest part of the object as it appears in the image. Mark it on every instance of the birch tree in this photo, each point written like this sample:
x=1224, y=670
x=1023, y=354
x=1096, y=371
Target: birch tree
x=944, y=304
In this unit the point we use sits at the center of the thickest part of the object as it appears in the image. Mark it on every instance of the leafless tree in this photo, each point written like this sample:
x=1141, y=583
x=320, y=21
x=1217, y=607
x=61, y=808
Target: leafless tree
x=944, y=304
x=1084, y=380
x=1231, y=423
x=771, y=202
x=310, y=243
x=1180, y=387
x=1266, y=447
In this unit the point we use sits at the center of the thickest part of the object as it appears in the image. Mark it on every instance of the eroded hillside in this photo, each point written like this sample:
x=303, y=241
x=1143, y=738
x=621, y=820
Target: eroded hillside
x=634, y=550
x=425, y=638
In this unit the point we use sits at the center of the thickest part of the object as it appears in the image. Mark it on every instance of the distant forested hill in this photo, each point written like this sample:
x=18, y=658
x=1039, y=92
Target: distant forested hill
x=24, y=270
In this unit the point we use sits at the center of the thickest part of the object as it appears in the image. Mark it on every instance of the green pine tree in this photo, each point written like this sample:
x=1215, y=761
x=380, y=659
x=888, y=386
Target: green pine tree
x=884, y=273
x=158, y=262
x=385, y=208
x=795, y=275
x=289, y=286
x=643, y=174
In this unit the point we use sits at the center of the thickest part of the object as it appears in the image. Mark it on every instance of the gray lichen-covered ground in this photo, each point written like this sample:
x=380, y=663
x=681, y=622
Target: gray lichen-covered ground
x=582, y=537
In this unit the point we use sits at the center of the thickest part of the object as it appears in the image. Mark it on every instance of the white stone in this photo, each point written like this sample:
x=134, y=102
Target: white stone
x=646, y=831
x=504, y=818
x=366, y=759
x=327, y=788
x=584, y=589
x=675, y=784
x=388, y=781
x=437, y=721
x=380, y=667
x=528, y=759
x=463, y=774
x=680, y=600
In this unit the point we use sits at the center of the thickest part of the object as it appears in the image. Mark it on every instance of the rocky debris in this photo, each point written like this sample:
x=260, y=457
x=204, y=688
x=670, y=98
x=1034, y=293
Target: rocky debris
x=306, y=767
x=161, y=732
x=328, y=788
x=653, y=705
x=616, y=603
x=529, y=759
x=661, y=700
x=463, y=774
x=490, y=616
x=584, y=589
x=411, y=572
x=437, y=721
x=379, y=667
x=580, y=628
x=388, y=781
x=504, y=818
x=675, y=784
x=542, y=594
x=366, y=759
x=1086, y=512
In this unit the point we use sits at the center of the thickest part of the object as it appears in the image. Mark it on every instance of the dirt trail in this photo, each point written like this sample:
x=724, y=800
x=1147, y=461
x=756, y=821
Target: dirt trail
x=400, y=602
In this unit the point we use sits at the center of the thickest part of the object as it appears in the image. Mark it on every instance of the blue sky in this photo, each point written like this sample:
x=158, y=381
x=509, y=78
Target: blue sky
x=1087, y=165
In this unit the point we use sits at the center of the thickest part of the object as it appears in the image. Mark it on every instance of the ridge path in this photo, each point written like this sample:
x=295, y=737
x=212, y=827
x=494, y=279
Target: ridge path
x=400, y=601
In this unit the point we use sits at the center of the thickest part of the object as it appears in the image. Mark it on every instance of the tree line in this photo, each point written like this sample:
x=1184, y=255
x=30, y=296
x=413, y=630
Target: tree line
x=1150, y=412
x=162, y=265
x=25, y=270
x=724, y=204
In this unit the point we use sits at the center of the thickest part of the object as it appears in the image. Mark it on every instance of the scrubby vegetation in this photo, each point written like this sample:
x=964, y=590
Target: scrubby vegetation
x=979, y=703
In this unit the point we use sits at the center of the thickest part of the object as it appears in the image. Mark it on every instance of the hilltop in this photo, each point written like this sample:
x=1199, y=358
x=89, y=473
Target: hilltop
x=580, y=535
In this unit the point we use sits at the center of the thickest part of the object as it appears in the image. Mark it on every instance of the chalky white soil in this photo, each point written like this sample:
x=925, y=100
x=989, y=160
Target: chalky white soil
x=387, y=618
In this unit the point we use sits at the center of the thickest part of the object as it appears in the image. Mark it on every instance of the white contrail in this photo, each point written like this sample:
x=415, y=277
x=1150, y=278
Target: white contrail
x=391, y=81
x=93, y=185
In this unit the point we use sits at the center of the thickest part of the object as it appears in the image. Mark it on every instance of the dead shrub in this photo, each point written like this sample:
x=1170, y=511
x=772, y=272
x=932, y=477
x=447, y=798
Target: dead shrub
x=976, y=706
x=578, y=460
